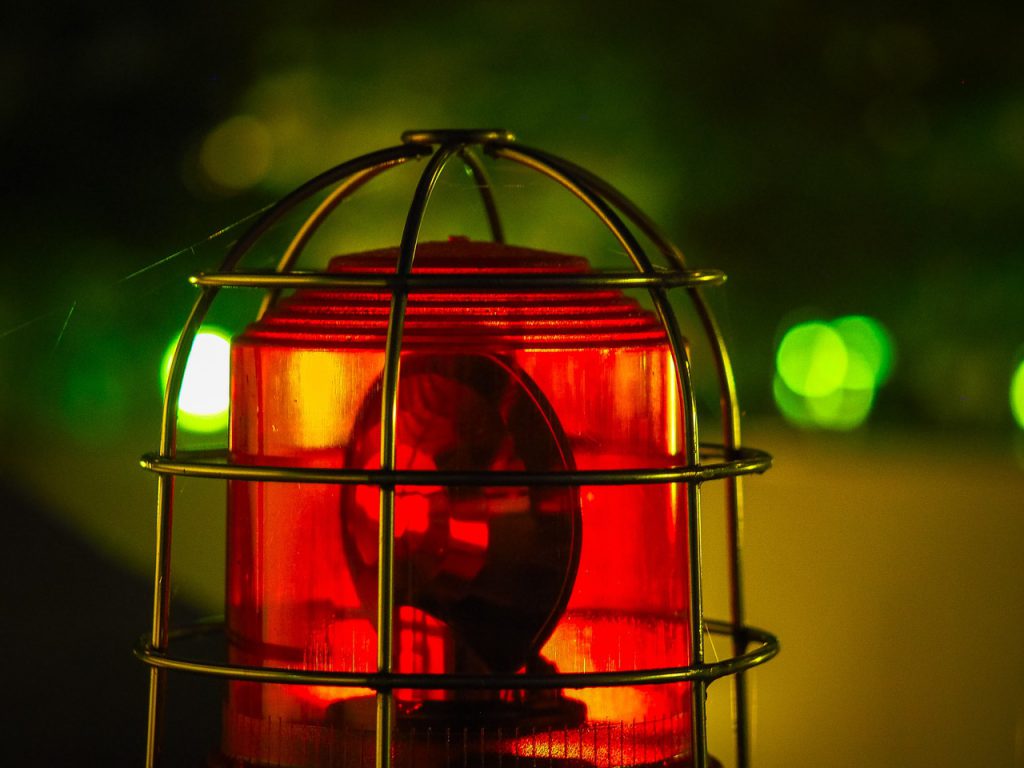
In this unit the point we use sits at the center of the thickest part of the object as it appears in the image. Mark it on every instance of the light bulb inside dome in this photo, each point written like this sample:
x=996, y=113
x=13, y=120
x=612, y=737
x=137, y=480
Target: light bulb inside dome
x=476, y=558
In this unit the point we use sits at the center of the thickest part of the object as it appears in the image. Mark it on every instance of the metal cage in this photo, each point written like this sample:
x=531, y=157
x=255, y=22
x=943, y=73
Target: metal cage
x=727, y=461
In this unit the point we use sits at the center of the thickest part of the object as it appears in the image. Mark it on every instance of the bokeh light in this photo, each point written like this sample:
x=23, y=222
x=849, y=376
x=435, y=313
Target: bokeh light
x=827, y=373
x=867, y=339
x=236, y=154
x=842, y=409
x=205, y=389
x=1017, y=394
x=812, y=359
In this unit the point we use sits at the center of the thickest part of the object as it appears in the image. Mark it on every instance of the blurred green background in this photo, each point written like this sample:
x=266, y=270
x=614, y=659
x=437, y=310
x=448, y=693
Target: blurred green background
x=852, y=161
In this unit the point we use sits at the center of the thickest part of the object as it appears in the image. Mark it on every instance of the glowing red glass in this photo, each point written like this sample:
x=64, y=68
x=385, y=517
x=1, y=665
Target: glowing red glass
x=490, y=580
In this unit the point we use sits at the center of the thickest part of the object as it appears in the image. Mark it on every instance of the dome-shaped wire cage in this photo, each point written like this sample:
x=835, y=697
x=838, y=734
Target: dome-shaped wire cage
x=167, y=649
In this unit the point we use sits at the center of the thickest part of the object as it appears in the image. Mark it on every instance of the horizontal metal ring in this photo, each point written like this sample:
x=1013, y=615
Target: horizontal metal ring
x=457, y=136
x=216, y=465
x=509, y=282
x=767, y=649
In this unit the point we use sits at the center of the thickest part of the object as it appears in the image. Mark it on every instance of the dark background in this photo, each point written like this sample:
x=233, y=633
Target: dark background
x=833, y=160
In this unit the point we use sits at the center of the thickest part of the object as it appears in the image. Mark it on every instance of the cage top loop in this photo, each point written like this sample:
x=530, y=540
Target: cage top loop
x=457, y=136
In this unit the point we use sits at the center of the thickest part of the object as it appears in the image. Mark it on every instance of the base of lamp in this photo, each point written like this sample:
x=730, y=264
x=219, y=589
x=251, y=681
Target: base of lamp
x=539, y=712
x=545, y=731
x=219, y=760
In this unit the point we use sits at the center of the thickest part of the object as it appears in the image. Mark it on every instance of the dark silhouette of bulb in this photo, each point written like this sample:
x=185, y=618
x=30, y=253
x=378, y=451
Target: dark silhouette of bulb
x=495, y=564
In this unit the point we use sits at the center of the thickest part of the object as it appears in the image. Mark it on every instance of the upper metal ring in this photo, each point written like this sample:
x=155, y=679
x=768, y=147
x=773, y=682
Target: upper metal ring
x=457, y=136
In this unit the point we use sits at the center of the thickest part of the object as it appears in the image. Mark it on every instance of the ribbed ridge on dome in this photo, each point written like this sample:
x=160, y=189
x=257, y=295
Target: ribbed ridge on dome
x=543, y=319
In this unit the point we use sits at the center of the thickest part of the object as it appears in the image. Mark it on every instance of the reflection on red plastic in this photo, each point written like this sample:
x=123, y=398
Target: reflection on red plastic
x=486, y=579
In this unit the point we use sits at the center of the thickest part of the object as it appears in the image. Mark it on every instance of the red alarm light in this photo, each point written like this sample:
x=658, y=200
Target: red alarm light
x=463, y=507
x=488, y=579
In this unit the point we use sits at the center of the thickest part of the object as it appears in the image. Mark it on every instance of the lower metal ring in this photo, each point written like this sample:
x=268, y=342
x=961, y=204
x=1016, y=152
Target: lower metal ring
x=767, y=649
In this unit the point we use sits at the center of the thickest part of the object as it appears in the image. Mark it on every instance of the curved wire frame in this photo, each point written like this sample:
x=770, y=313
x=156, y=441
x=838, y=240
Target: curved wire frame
x=730, y=414
x=732, y=461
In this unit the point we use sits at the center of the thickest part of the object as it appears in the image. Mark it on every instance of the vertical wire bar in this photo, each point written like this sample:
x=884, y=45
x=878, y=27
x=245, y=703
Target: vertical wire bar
x=734, y=524
x=731, y=438
x=168, y=425
x=563, y=173
x=483, y=183
x=389, y=422
x=164, y=519
x=161, y=609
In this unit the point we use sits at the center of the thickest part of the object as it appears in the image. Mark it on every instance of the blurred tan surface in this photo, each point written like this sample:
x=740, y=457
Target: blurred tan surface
x=891, y=568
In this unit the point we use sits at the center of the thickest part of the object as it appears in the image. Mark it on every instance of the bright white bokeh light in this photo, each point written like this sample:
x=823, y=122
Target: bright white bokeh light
x=205, y=389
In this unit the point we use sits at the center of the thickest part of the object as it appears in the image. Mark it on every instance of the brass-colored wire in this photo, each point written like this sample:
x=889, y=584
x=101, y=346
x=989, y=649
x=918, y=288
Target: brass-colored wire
x=389, y=421
x=604, y=200
x=313, y=223
x=731, y=437
x=562, y=173
x=766, y=650
x=215, y=465
x=172, y=390
x=512, y=282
